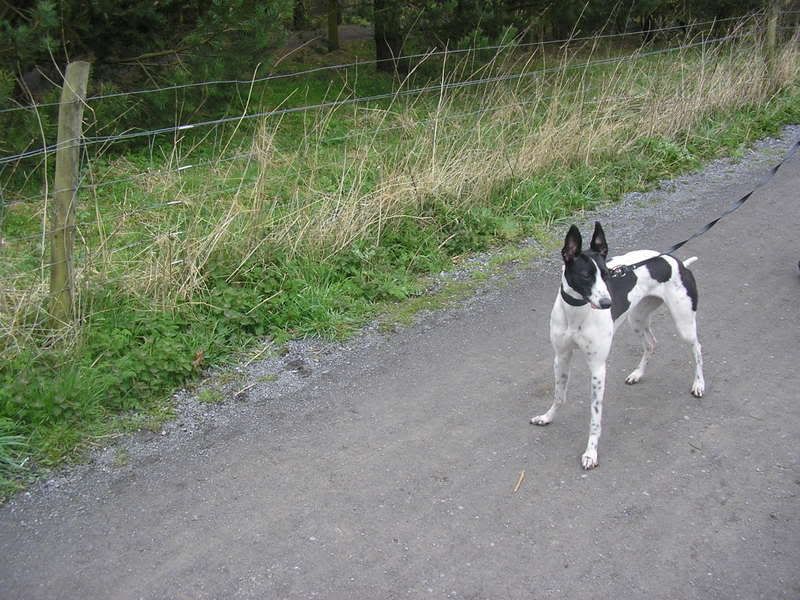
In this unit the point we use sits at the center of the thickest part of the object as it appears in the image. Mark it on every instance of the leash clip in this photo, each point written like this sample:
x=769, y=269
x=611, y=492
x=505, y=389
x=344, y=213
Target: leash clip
x=620, y=271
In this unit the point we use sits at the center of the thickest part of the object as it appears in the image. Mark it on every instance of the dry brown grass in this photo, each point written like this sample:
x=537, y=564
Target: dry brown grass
x=317, y=198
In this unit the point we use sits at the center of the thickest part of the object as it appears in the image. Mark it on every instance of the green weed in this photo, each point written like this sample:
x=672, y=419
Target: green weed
x=210, y=396
x=12, y=448
x=121, y=457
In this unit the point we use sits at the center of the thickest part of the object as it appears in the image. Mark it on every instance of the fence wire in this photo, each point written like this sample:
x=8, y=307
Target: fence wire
x=89, y=141
x=152, y=238
x=399, y=59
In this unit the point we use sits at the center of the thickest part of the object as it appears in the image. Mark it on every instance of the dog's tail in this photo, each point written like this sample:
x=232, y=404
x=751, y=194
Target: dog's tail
x=689, y=261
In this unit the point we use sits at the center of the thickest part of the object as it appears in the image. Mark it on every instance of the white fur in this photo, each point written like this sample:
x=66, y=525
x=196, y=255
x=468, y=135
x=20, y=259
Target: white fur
x=591, y=331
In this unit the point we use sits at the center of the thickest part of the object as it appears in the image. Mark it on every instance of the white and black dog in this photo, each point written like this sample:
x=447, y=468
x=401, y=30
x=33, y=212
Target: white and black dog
x=591, y=304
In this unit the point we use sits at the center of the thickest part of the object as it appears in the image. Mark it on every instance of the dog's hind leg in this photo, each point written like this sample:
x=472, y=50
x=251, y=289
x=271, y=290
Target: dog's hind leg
x=686, y=322
x=639, y=318
x=561, y=363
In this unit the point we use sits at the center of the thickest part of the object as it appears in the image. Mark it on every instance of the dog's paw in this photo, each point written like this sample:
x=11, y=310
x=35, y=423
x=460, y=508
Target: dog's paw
x=698, y=388
x=544, y=419
x=635, y=377
x=589, y=459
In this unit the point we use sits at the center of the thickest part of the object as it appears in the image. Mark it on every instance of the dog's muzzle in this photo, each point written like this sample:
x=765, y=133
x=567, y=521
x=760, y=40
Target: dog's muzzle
x=604, y=304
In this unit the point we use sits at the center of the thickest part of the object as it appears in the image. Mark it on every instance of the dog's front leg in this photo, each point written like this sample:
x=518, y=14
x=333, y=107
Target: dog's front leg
x=598, y=369
x=561, y=362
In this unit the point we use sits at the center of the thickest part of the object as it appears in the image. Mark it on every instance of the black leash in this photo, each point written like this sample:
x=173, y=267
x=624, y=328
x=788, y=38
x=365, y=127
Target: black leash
x=623, y=270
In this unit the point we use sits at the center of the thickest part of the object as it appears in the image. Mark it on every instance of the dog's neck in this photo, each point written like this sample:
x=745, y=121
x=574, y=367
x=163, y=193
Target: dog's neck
x=570, y=296
x=572, y=300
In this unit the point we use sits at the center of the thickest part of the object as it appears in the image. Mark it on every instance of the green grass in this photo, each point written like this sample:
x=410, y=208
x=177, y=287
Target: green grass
x=121, y=458
x=210, y=396
x=322, y=234
x=12, y=447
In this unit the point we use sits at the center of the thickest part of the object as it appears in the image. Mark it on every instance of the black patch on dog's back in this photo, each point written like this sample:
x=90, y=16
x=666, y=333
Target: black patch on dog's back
x=659, y=269
x=620, y=287
x=687, y=279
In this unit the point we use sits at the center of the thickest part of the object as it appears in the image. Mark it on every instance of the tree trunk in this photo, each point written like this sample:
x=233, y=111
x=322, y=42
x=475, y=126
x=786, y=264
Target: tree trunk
x=299, y=16
x=388, y=37
x=333, y=25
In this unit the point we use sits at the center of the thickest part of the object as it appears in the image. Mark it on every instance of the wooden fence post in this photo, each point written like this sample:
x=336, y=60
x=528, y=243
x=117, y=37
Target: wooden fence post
x=772, y=28
x=62, y=232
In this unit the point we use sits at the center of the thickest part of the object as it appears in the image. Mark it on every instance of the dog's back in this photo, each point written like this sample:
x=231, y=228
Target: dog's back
x=661, y=276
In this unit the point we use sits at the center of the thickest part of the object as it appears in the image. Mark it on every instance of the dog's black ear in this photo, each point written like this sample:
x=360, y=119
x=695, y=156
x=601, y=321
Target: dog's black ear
x=572, y=245
x=599, y=240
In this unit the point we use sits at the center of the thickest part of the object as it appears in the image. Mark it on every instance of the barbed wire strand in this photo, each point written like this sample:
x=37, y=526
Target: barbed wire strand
x=352, y=135
x=172, y=203
x=249, y=155
x=149, y=240
x=400, y=58
x=358, y=100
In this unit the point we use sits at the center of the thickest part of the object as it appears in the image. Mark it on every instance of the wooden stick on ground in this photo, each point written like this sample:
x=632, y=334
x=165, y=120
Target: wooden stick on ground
x=519, y=481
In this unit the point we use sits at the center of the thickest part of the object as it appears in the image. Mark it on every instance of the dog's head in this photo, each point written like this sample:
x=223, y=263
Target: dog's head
x=585, y=272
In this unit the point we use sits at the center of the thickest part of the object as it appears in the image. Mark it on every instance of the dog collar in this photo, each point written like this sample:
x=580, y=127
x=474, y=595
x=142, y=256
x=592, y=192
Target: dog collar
x=572, y=301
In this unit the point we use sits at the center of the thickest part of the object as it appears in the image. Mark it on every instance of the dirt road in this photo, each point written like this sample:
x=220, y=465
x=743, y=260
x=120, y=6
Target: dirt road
x=391, y=473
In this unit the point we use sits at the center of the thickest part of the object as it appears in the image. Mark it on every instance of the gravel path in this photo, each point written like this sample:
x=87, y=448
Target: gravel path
x=386, y=467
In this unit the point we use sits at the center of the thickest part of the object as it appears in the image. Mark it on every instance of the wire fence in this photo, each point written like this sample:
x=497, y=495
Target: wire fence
x=248, y=156
x=129, y=214
x=331, y=105
x=512, y=45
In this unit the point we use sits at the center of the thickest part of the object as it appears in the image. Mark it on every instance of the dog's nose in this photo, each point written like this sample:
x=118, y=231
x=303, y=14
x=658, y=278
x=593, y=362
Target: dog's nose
x=605, y=303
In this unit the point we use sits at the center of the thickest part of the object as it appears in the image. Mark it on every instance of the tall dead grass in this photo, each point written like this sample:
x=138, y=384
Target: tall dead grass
x=321, y=194
x=518, y=130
